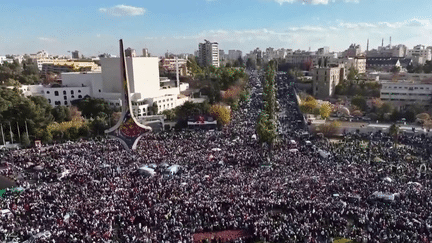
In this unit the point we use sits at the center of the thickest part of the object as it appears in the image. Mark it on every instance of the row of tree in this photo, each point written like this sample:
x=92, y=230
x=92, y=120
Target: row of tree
x=266, y=125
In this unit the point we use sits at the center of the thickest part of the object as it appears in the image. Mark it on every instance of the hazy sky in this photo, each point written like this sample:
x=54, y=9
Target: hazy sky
x=95, y=26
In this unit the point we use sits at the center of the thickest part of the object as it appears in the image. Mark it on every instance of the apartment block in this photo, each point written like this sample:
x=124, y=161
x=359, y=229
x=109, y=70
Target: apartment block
x=208, y=54
x=325, y=79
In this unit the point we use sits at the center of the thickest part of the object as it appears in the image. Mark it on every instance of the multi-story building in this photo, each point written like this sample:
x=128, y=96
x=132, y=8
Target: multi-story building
x=325, y=79
x=386, y=63
x=300, y=57
x=234, y=54
x=403, y=94
x=323, y=51
x=59, y=66
x=419, y=54
x=75, y=54
x=170, y=66
x=353, y=51
x=208, y=54
x=146, y=87
x=358, y=62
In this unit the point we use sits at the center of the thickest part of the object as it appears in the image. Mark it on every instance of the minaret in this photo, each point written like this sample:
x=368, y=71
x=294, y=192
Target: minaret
x=382, y=43
x=390, y=42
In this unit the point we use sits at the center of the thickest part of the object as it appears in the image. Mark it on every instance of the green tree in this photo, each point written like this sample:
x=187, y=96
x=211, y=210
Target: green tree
x=73, y=132
x=61, y=114
x=25, y=141
x=360, y=102
x=170, y=114
x=395, y=69
x=352, y=73
x=92, y=107
x=47, y=136
x=84, y=131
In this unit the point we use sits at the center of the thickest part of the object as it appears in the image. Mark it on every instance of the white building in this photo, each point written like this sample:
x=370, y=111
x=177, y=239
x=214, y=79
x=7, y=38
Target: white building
x=404, y=94
x=208, y=54
x=420, y=54
x=146, y=87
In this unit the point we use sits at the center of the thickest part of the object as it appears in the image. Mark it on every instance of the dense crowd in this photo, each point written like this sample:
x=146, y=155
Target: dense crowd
x=302, y=197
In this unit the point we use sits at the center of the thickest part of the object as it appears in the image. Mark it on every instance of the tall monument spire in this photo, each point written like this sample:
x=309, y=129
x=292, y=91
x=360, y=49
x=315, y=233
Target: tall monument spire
x=127, y=130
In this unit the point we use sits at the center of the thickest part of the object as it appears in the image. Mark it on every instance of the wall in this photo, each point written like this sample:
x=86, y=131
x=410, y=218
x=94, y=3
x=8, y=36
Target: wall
x=145, y=76
x=111, y=75
x=90, y=79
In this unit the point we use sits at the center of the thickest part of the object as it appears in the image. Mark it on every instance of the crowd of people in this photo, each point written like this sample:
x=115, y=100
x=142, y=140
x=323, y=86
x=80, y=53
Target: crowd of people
x=89, y=191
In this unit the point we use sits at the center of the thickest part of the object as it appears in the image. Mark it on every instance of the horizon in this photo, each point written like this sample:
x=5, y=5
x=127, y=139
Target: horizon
x=95, y=28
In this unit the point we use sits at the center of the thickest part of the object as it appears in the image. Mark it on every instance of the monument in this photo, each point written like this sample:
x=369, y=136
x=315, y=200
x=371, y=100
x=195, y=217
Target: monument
x=127, y=130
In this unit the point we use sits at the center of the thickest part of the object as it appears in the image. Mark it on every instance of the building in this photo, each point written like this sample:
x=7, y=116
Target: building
x=301, y=57
x=323, y=51
x=222, y=55
x=146, y=87
x=169, y=64
x=62, y=65
x=145, y=52
x=129, y=52
x=353, y=51
x=325, y=79
x=208, y=54
x=383, y=63
x=234, y=54
x=419, y=54
x=75, y=54
x=358, y=63
x=403, y=94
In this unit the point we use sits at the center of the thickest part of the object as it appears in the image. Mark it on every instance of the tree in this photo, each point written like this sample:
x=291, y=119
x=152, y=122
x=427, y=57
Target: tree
x=329, y=129
x=266, y=129
x=309, y=104
x=394, y=131
x=47, y=136
x=92, y=107
x=61, y=114
x=169, y=114
x=395, y=69
x=25, y=141
x=240, y=62
x=422, y=117
x=360, y=102
x=221, y=113
x=386, y=108
x=352, y=74
x=325, y=110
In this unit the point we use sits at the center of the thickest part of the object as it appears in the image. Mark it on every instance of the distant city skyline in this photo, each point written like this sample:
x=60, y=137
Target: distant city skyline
x=178, y=27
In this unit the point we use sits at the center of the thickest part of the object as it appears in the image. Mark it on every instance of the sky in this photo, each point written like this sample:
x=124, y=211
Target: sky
x=94, y=27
